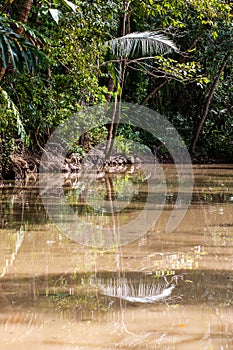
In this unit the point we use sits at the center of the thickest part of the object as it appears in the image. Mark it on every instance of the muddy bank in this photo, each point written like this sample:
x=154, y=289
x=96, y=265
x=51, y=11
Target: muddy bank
x=24, y=163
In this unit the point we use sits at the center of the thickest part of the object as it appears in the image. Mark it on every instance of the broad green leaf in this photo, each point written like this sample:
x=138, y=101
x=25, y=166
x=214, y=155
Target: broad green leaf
x=20, y=51
x=26, y=58
x=18, y=54
x=4, y=51
x=10, y=45
x=56, y=2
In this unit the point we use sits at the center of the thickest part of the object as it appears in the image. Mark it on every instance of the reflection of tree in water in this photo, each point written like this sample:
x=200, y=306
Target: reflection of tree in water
x=17, y=198
x=119, y=288
x=102, y=185
x=18, y=238
x=15, y=201
x=104, y=196
x=110, y=191
x=8, y=256
x=18, y=203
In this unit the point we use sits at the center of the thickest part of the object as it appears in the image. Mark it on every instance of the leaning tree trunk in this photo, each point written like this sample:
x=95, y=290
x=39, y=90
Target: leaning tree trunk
x=23, y=12
x=208, y=101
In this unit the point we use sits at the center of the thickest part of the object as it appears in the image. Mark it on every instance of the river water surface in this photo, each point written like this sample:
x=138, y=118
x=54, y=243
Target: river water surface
x=160, y=291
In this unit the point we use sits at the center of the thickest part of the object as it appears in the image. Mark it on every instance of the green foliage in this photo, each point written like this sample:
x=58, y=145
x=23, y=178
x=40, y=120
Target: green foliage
x=217, y=138
x=23, y=54
x=53, y=8
x=10, y=121
x=184, y=72
x=64, y=42
x=10, y=113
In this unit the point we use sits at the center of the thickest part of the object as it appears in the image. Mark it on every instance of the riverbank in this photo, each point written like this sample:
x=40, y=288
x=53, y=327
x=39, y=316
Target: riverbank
x=24, y=162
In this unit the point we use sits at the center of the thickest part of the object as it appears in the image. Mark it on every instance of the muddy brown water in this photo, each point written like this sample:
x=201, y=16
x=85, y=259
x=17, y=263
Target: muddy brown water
x=58, y=294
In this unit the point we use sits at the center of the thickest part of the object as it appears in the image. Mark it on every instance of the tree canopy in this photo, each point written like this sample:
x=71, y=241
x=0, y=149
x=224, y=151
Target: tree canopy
x=60, y=56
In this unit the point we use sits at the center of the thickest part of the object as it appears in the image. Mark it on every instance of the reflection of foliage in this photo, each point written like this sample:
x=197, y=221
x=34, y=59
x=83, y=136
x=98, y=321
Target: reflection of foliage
x=124, y=186
x=178, y=260
x=18, y=203
x=17, y=240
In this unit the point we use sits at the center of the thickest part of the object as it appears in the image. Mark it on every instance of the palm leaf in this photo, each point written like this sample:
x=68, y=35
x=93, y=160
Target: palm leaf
x=141, y=44
x=12, y=51
x=26, y=58
x=22, y=53
x=4, y=52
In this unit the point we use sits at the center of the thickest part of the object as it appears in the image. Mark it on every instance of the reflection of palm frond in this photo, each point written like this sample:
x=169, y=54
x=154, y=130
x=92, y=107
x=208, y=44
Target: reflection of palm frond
x=142, y=292
x=141, y=44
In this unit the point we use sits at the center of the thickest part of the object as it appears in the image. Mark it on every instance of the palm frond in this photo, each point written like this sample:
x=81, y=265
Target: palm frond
x=17, y=49
x=141, y=44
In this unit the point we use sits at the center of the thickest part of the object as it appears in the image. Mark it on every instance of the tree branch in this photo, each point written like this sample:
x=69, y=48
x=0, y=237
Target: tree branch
x=208, y=101
x=191, y=47
x=157, y=88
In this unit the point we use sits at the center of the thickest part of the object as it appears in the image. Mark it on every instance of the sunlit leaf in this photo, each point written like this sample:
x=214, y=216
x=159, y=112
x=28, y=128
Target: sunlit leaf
x=55, y=14
x=71, y=5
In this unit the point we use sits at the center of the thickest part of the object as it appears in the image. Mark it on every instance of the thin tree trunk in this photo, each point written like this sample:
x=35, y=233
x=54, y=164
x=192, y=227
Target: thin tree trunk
x=157, y=88
x=125, y=21
x=118, y=114
x=109, y=142
x=191, y=47
x=113, y=127
x=111, y=87
x=208, y=101
x=117, y=121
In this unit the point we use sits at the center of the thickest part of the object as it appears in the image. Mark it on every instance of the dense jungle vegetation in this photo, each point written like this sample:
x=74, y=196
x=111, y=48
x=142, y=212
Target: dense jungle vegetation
x=58, y=57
